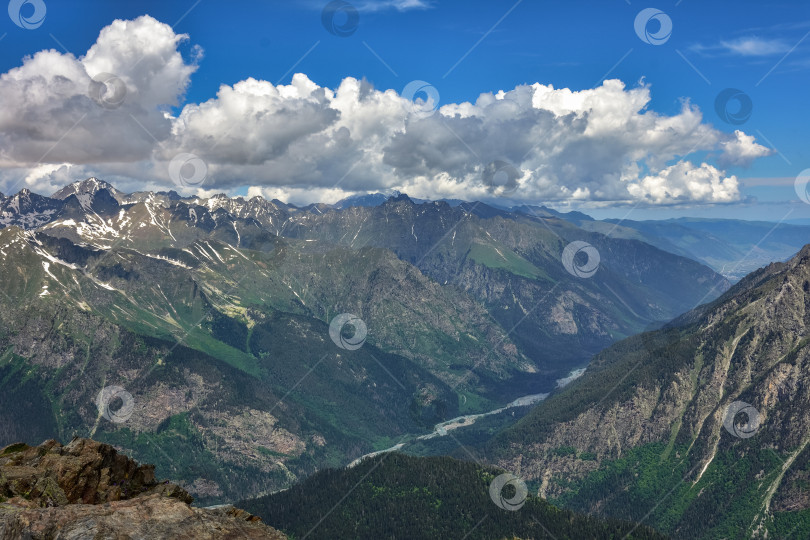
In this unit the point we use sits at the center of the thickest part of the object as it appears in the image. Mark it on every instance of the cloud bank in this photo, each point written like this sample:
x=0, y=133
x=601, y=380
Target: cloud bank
x=303, y=141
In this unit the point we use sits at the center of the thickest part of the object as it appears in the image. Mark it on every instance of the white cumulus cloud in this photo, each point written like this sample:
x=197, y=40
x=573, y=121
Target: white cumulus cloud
x=48, y=112
x=602, y=145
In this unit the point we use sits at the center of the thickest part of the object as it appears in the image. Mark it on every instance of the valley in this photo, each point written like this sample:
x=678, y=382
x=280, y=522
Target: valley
x=443, y=428
x=212, y=317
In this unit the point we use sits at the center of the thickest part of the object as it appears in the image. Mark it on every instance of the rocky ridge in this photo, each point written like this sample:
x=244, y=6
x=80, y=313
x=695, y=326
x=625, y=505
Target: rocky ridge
x=86, y=489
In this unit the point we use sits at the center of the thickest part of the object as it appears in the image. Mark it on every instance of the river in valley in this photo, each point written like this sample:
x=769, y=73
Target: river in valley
x=441, y=429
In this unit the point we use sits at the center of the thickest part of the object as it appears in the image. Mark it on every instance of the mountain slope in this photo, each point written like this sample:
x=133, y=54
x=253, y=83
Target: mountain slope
x=213, y=374
x=641, y=436
x=398, y=496
x=511, y=263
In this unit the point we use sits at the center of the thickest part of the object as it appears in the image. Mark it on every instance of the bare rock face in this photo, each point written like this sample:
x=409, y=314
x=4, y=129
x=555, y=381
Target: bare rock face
x=669, y=392
x=86, y=489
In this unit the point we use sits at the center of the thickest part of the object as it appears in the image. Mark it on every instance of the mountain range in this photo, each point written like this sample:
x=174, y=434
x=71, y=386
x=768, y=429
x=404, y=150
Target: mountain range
x=242, y=345
x=213, y=309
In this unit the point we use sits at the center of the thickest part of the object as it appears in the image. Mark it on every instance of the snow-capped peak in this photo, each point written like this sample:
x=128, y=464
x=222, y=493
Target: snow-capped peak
x=85, y=187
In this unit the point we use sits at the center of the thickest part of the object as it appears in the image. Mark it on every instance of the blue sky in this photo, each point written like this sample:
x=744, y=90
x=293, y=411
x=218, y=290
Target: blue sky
x=465, y=48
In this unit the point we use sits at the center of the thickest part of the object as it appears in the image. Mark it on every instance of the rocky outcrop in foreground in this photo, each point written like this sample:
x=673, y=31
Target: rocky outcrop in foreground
x=86, y=489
